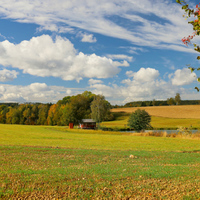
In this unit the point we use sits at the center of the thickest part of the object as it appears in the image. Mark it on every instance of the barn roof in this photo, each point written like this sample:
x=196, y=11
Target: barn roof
x=88, y=121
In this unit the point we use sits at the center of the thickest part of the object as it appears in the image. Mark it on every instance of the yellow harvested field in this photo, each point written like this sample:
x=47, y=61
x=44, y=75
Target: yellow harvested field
x=188, y=111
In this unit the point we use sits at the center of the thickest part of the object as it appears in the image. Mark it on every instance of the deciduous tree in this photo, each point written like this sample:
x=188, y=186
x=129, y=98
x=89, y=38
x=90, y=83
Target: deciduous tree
x=139, y=120
x=77, y=109
x=170, y=101
x=195, y=22
x=51, y=119
x=100, y=109
x=177, y=99
x=43, y=114
x=3, y=110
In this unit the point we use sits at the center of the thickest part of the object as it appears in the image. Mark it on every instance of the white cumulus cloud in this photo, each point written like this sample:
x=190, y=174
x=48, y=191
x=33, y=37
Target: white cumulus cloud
x=88, y=38
x=35, y=92
x=42, y=56
x=94, y=81
x=144, y=84
x=7, y=75
x=183, y=77
x=144, y=75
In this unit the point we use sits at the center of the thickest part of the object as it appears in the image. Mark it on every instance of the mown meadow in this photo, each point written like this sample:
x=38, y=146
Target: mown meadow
x=44, y=162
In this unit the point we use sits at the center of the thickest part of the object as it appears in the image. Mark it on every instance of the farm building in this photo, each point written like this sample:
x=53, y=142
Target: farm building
x=87, y=124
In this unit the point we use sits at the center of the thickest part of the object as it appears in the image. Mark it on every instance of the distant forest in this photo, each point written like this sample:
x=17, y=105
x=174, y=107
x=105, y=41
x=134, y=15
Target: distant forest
x=70, y=109
x=157, y=103
x=170, y=101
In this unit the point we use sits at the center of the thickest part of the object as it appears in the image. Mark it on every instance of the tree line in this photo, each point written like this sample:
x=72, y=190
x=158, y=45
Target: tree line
x=71, y=109
x=170, y=101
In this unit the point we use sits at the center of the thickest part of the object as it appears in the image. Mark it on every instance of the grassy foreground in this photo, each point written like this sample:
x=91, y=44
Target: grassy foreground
x=39, y=162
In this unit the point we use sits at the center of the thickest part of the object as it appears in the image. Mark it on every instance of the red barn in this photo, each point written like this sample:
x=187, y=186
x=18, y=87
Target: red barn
x=87, y=124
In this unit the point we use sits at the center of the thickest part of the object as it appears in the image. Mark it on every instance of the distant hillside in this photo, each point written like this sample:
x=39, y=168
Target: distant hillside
x=182, y=111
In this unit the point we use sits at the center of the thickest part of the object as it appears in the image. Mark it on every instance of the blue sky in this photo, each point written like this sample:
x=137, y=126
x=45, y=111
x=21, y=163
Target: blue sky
x=127, y=50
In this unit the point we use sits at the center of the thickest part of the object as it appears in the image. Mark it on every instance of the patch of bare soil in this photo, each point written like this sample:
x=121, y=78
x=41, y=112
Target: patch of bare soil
x=126, y=188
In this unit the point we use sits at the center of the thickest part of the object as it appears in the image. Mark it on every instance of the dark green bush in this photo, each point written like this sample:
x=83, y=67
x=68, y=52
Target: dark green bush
x=139, y=120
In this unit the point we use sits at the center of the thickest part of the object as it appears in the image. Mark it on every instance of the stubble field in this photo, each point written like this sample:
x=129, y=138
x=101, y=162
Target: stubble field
x=163, y=117
x=180, y=112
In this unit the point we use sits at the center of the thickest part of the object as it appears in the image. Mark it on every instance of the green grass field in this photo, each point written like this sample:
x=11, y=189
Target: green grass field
x=39, y=162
